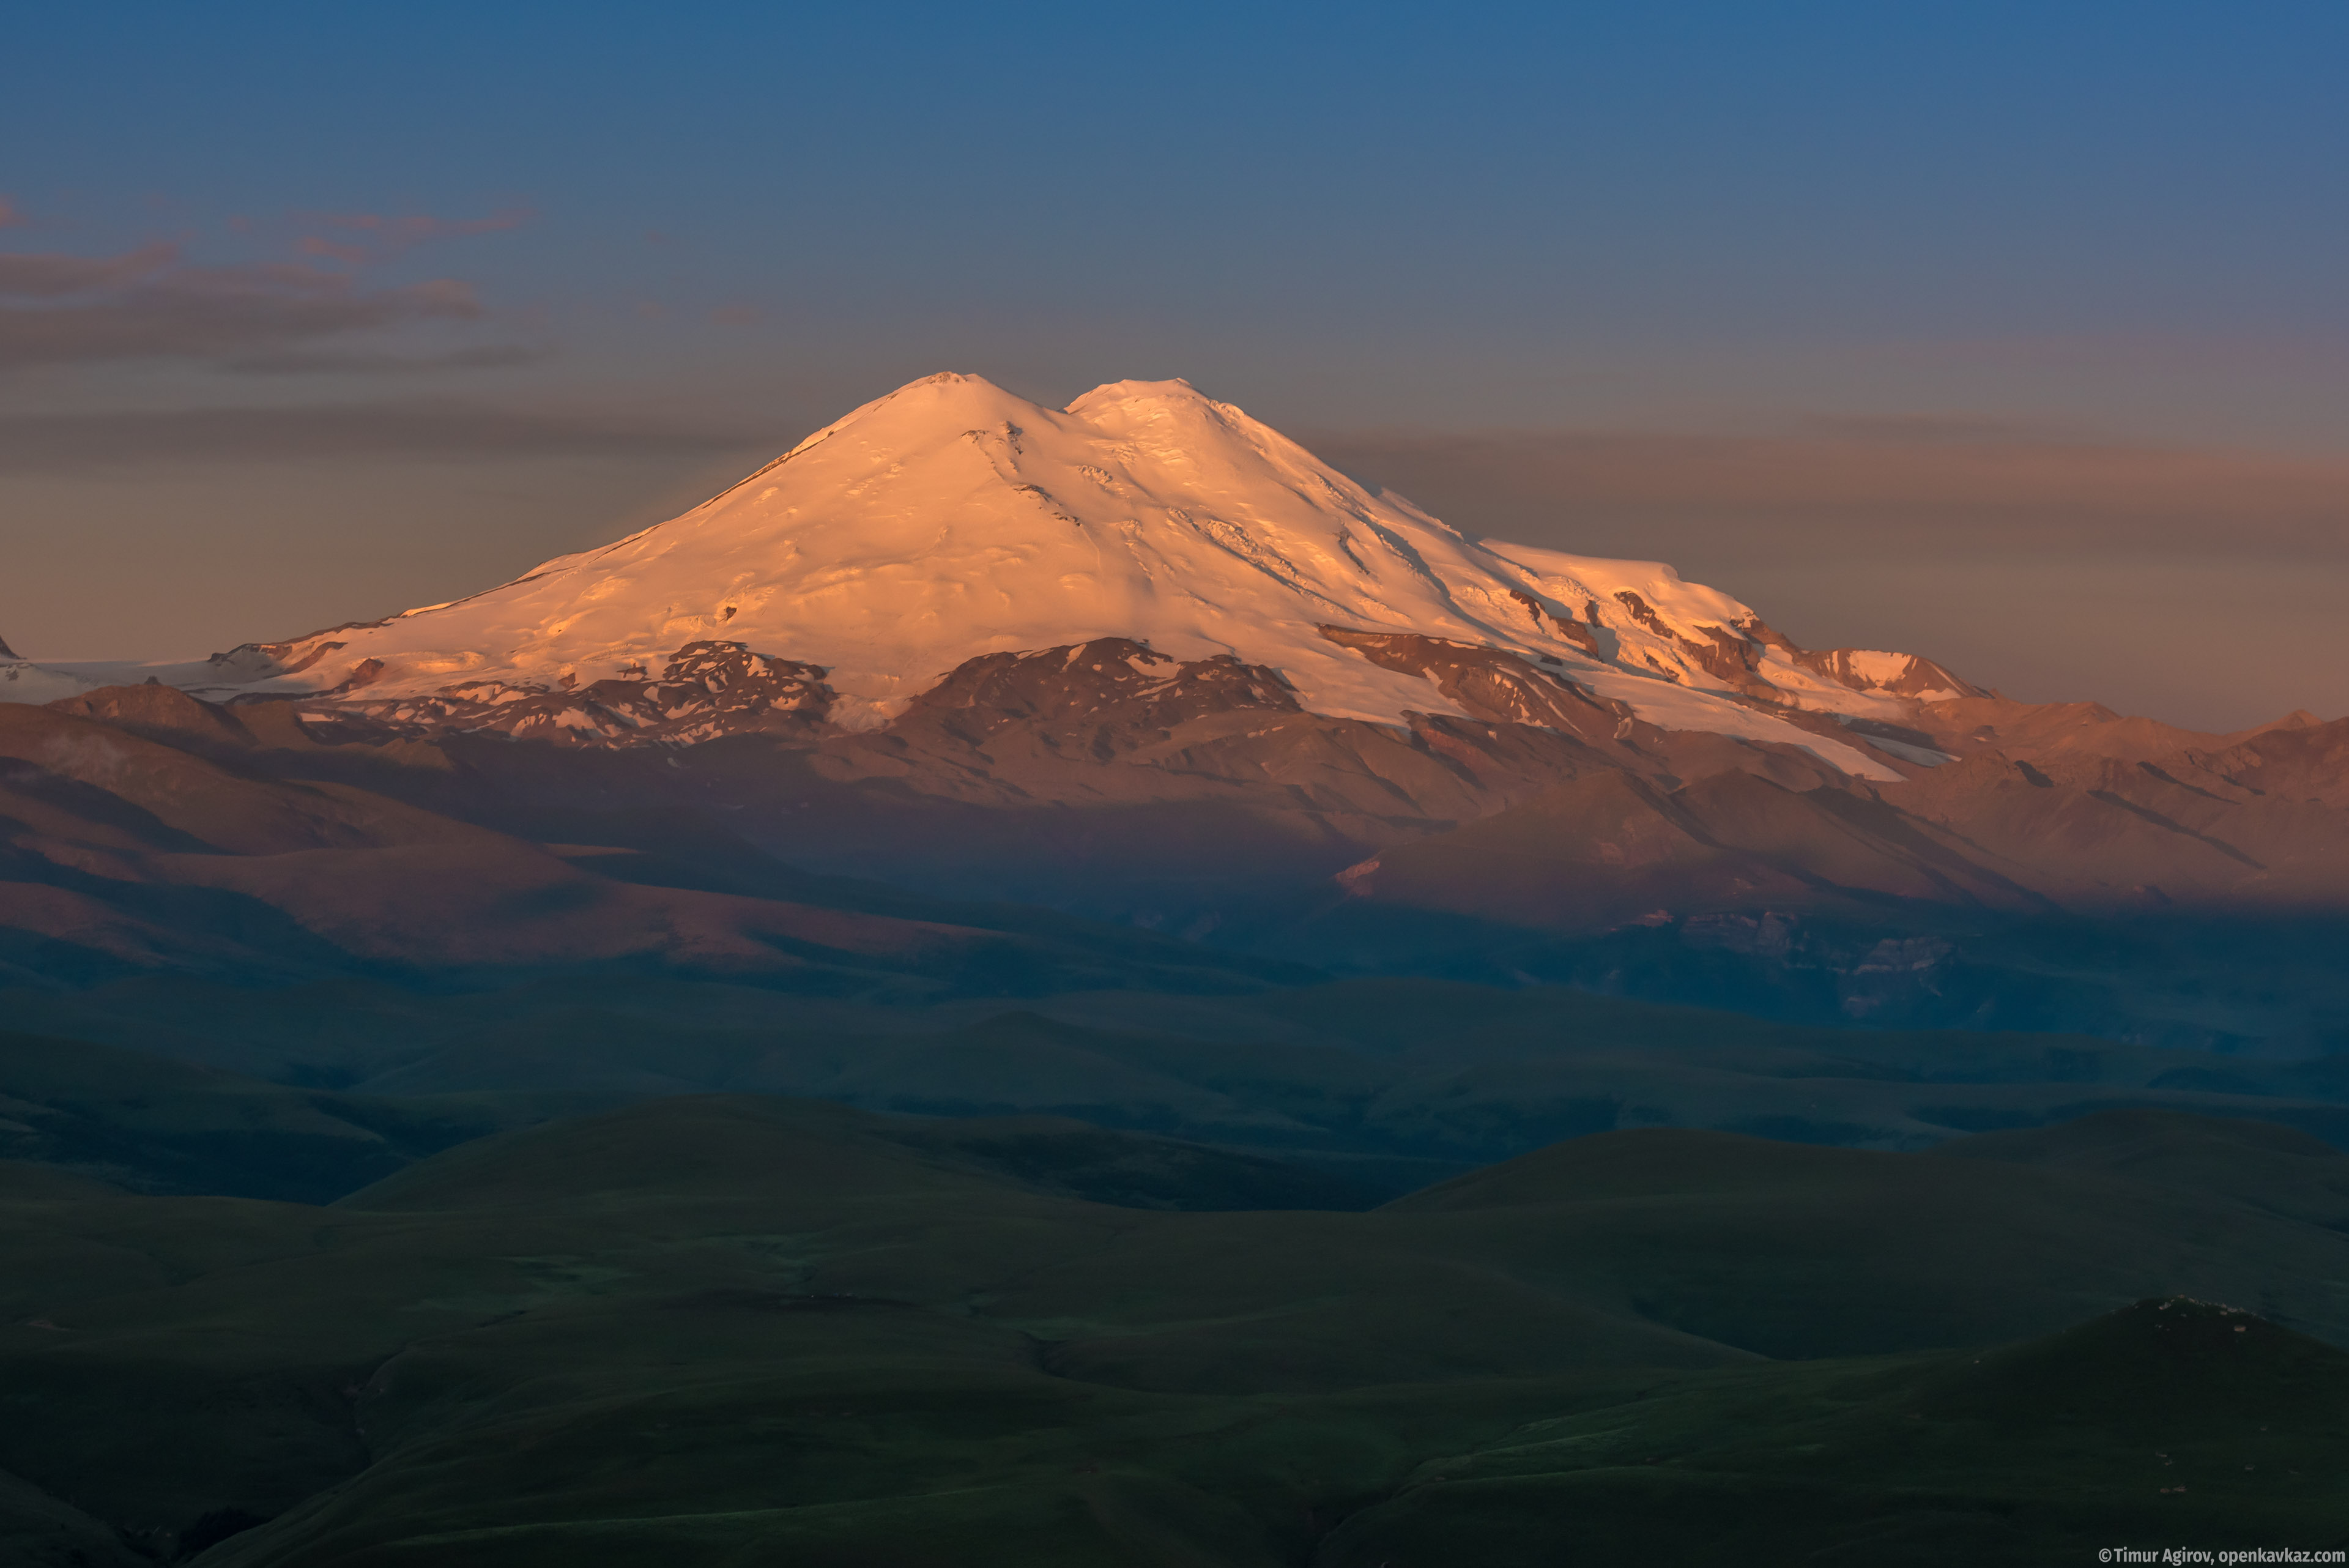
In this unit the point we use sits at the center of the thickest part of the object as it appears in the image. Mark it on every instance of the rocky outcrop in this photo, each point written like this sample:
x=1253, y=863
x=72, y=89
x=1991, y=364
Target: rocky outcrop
x=1560, y=621
x=2297, y=760
x=1490, y=683
x=1895, y=674
x=705, y=690
x=254, y=661
x=161, y=712
x=1096, y=698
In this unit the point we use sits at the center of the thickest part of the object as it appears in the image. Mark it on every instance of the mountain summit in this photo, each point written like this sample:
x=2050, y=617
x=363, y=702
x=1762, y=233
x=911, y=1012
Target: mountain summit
x=952, y=520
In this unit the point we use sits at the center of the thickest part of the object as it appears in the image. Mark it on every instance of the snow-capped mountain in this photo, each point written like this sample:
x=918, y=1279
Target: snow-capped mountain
x=952, y=520
x=1140, y=659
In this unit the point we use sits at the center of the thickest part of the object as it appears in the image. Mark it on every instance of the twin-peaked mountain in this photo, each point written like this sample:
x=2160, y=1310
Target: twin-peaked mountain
x=952, y=520
x=1144, y=659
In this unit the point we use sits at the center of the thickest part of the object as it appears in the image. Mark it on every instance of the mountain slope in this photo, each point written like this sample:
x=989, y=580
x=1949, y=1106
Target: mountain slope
x=119, y=852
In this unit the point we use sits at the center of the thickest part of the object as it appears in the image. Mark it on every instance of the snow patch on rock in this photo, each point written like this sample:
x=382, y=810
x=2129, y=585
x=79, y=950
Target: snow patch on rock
x=21, y=681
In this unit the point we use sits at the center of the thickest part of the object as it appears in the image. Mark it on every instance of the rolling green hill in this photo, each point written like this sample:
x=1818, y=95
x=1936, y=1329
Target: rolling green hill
x=738, y=1329
x=149, y=1124
x=2165, y=1423
x=1389, y=1084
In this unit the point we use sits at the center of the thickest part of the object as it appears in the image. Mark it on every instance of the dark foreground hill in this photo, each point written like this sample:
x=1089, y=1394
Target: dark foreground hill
x=1387, y=1084
x=740, y=1330
x=2167, y=1422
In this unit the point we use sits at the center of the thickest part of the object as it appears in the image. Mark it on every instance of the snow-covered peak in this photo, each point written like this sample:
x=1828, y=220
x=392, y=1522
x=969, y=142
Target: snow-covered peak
x=1174, y=414
x=21, y=681
x=952, y=518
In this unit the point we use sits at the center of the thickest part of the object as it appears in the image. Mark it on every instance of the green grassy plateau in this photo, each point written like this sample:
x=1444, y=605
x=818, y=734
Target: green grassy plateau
x=745, y=1330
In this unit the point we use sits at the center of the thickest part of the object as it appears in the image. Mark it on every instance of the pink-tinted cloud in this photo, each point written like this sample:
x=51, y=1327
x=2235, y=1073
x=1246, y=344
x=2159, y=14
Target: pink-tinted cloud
x=151, y=304
x=356, y=256
x=421, y=429
x=367, y=362
x=50, y=275
x=362, y=238
x=9, y=213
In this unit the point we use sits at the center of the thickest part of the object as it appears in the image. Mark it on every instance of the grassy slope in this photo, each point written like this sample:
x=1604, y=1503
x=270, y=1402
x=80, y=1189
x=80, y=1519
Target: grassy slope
x=738, y=1330
x=152, y=1124
x=146, y=1123
x=1399, y=1082
x=2171, y=1422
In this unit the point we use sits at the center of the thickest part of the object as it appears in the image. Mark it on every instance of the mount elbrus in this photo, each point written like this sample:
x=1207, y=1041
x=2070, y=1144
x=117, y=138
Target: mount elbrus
x=952, y=520
x=1145, y=658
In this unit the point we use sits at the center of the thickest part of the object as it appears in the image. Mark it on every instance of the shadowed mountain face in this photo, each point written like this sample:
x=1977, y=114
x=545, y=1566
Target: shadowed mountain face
x=166, y=839
x=706, y=1328
x=2191, y=900
x=1987, y=834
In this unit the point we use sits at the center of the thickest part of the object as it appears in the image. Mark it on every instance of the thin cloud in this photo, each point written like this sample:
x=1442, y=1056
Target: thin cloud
x=153, y=303
x=368, y=237
x=1870, y=487
x=329, y=362
x=406, y=429
x=2138, y=352
x=25, y=274
x=1943, y=429
x=147, y=304
x=10, y=213
x=313, y=246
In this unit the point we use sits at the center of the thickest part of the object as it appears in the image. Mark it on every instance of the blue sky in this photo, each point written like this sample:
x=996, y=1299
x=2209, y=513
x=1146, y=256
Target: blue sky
x=402, y=299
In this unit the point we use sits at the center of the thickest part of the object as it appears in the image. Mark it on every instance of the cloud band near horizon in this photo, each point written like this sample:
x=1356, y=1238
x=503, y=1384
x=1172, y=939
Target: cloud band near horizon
x=1906, y=487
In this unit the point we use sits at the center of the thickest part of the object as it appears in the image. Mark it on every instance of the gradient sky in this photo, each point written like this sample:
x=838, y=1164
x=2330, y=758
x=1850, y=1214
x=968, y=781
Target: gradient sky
x=2014, y=335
